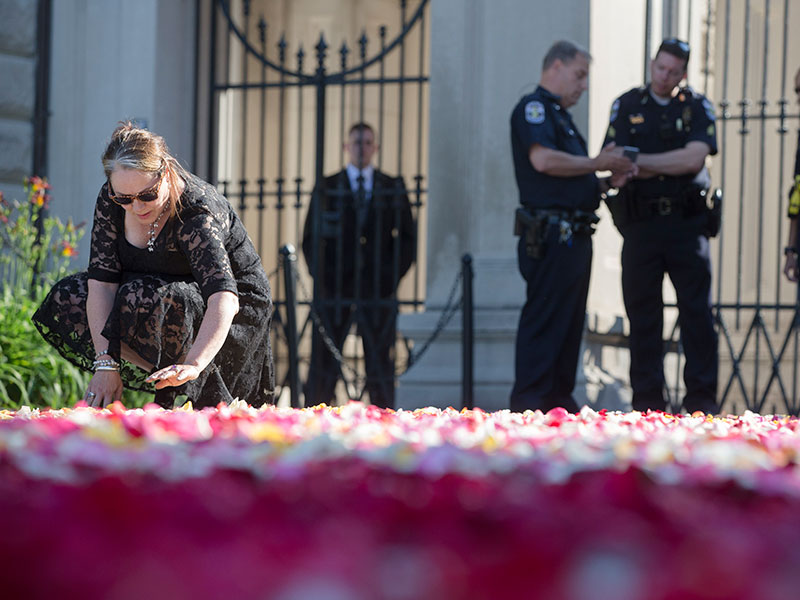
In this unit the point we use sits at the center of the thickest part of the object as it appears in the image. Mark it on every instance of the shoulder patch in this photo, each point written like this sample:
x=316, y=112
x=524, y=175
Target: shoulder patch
x=614, y=111
x=709, y=109
x=534, y=112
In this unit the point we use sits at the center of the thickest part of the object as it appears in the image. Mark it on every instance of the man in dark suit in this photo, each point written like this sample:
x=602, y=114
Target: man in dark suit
x=359, y=240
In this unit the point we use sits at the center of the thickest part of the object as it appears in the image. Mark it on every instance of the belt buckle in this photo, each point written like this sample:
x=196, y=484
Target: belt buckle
x=664, y=206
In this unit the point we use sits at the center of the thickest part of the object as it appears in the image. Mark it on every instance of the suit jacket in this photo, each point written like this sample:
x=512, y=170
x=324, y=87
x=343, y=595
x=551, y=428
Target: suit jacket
x=380, y=246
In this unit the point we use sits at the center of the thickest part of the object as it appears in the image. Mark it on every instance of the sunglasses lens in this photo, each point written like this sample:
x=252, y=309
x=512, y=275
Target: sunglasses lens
x=148, y=196
x=125, y=199
x=119, y=200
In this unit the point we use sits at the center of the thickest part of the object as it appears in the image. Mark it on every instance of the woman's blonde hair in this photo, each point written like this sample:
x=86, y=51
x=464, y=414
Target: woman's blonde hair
x=142, y=150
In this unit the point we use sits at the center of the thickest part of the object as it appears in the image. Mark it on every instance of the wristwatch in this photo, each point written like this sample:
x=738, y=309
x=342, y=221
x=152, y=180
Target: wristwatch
x=790, y=250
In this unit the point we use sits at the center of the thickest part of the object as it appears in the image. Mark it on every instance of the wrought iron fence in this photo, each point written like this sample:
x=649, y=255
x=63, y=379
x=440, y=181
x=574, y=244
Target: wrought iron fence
x=277, y=125
x=745, y=48
x=278, y=118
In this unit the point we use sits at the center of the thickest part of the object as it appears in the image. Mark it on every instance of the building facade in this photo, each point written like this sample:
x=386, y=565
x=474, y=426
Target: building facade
x=152, y=61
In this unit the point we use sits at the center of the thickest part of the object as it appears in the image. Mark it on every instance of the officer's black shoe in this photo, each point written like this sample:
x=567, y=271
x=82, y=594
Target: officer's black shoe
x=521, y=403
x=700, y=403
x=566, y=402
x=644, y=401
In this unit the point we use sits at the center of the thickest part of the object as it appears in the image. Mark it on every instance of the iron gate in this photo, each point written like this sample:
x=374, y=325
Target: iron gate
x=744, y=48
x=277, y=126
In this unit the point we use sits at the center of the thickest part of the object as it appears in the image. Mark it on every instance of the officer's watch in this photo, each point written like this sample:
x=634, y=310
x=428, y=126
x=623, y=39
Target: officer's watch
x=790, y=250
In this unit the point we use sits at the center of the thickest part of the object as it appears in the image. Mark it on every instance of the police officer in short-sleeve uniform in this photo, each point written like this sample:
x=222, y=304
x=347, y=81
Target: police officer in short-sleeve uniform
x=555, y=222
x=663, y=218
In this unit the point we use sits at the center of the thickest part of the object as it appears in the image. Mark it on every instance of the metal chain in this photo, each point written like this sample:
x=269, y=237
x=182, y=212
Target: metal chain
x=273, y=273
x=357, y=380
x=450, y=309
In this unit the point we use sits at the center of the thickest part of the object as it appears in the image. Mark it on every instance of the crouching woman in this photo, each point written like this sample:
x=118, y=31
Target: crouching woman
x=175, y=293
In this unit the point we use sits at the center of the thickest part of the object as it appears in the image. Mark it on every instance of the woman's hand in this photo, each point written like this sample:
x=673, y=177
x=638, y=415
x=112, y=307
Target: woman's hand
x=222, y=307
x=104, y=388
x=174, y=375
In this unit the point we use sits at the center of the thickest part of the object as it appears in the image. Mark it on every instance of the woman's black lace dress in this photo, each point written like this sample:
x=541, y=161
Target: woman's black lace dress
x=161, y=299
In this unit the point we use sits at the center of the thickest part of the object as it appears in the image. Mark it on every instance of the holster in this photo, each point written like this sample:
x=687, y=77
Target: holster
x=714, y=208
x=583, y=223
x=700, y=200
x=695, y=199
x=532, y=227
x=623, y=207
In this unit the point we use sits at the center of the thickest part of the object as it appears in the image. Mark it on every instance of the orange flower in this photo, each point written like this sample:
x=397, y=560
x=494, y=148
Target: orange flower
x=37, y=188
x=37, y=184
x=68, y=249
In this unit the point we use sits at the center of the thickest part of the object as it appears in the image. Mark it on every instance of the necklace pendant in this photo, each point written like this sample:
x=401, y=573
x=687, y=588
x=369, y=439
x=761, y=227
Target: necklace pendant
x=151, y=236
x=151, y=232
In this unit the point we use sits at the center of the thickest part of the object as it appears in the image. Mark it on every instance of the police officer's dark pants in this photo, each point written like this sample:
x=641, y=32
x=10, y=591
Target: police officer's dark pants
x=551, y=323
x=376, y=326
x=674, y=245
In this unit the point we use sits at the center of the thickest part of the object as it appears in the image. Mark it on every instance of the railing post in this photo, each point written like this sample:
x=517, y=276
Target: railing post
x=319, y=172
x=289, y=260
x=467, y=334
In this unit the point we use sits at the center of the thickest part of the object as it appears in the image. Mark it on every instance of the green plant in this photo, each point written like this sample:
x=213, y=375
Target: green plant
x=31, y=372
x=36, y=250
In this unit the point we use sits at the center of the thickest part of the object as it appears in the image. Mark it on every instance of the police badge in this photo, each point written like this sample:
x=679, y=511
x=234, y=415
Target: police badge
x=534, y=112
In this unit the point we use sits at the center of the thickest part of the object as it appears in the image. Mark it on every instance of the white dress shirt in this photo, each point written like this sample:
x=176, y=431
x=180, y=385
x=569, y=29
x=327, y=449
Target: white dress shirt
x=362, y=204
x=367, y=173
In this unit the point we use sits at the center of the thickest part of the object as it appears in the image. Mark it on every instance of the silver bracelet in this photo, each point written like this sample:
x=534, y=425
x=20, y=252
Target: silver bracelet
x=106, y=368
x=105, y=361
x=99, y=354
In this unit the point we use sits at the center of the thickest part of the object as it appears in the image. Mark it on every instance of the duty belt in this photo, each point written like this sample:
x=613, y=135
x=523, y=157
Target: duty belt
x=569, y=221
x=663, y=206
x=534, y=222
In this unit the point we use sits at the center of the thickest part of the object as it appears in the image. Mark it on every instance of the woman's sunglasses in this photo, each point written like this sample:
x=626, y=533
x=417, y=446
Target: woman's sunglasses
x=147, y=195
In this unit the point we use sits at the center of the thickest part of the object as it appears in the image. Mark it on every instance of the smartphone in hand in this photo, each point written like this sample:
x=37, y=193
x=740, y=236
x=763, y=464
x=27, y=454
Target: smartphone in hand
x=631, y=152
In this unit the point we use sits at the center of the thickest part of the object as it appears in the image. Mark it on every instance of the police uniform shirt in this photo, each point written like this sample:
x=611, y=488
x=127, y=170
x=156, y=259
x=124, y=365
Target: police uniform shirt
x=638, y=120
x=794, y=191
x=539, y=119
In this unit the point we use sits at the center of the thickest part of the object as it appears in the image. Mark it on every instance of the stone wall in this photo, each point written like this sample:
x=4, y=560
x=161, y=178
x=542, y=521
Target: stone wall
x=17, y=93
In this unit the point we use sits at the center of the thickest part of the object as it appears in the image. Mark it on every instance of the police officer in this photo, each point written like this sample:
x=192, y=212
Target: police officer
x=662, y=216
x=790, y=268
x=559, y=193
